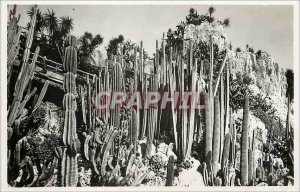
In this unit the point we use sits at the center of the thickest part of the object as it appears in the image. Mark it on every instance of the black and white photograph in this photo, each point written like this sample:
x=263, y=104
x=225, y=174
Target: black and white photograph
x=149, y=95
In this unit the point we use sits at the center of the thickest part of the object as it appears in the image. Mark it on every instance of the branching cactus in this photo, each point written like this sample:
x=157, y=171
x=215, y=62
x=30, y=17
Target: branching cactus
x=244, y=147
x=233, y=140
x=25, y=76
x=17, y=111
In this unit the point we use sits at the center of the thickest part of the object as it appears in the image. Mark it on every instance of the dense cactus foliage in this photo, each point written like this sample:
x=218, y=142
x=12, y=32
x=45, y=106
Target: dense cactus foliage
x=21, y=111
x=103, y=142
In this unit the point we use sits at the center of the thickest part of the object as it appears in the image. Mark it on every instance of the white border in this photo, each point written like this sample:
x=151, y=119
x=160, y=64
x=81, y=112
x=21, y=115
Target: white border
x=3, y=95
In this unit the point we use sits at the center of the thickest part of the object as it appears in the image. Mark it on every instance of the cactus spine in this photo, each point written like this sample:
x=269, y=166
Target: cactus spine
x=244, y=146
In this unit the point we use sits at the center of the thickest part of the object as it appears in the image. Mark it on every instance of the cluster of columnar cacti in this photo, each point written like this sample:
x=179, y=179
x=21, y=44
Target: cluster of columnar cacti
x=23, y=93
x=25, y=76
x=105, y=130
x=151, y=123
x=68, y=173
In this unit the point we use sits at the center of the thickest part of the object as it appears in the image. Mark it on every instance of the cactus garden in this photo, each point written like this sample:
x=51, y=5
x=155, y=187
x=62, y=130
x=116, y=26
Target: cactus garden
x=196, y=113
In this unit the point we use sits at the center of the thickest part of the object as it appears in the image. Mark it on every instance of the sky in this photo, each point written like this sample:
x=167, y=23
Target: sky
x=263, y=27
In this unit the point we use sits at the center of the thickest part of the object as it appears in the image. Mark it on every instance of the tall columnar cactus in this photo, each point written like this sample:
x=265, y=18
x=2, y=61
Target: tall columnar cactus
x=89, y=106
x=68, y=169
x=70, y=59
x=69, y=83
x=170, y=171
x=208, y=131
x=244, y=144
x=216, y=135
x=226, y=149
x=222, y=110
x=152, y=114
x=251, y=165
x=117, y=82
x=28, y=43
x=227, y=108
x=233, y=138
x=133, y=129
x=211, y=72
x=191, y=119
x=13, y=37
x=163, y=63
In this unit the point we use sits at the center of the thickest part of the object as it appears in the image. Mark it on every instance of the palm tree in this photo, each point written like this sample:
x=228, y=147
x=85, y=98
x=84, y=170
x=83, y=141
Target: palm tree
x=66, y=25
x=211, y=10
x=192, y=17
x=113, y=45
x=226, y=22
x=87, y=46
x=51, y=22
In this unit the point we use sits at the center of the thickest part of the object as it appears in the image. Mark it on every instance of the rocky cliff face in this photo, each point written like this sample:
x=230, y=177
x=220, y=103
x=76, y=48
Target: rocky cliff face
x=268, y=79
x=266, y=74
